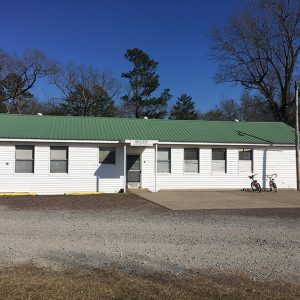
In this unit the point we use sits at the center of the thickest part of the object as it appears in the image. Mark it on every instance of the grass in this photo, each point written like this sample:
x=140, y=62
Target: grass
x=32, y=282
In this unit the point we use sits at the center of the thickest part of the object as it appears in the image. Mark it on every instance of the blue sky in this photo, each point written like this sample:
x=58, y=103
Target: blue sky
x=97, y=33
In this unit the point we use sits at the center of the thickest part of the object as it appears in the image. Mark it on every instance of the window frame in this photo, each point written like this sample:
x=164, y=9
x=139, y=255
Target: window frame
x=252, y=154
x=103, y=161
x=31, y=160
x=225, y=160
x=169, y=160
x=67, y=160
x=185, y=160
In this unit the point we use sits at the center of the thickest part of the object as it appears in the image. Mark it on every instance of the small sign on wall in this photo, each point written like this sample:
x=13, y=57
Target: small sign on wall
x=142, y=143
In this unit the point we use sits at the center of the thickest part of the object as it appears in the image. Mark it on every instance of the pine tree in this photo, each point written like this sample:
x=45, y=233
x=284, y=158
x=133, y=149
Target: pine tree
x=184, y=109
x=143, y=82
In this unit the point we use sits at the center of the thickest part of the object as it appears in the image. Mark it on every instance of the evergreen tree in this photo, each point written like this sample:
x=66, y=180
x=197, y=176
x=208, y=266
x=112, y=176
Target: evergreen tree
x=184, y=109
x=143, y=82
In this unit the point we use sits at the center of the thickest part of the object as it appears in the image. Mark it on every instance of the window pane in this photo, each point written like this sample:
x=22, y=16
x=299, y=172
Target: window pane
x=191, y=166
x=163, y=167
x=133, y=176
x=245, y=166
x=218, y=154
x=133, y=162
x=191, y=154
x=107, y=155
x=218, y=166
x=245, y=154
x=163, y=154
x=59, y=166
x=59, y=153
x=24, y=166
x=24, y=152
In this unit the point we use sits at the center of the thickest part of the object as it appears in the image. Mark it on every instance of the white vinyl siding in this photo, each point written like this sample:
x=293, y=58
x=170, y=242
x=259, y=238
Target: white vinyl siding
x=24, y=161
x=107, y=155
x=86, y=175
x=164, y=160
x=245, y=161
x=218, y=163
x=191, y=160
x=58, y=159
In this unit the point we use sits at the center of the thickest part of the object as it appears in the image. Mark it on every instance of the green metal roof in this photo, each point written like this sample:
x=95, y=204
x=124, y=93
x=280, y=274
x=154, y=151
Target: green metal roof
x=116, y=129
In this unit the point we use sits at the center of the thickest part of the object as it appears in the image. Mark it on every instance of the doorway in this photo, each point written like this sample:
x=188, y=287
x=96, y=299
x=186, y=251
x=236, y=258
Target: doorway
x=133, y=170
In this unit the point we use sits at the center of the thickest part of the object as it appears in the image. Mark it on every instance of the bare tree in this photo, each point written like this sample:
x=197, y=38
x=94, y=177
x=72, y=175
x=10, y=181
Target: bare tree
x=226, y=110
x=254, y=108
x=18, y=75
x=86, y=91
x=248, y=108
x=259, y=49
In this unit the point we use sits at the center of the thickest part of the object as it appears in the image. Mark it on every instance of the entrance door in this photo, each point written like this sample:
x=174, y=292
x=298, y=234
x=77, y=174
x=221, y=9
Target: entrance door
x=133, y=170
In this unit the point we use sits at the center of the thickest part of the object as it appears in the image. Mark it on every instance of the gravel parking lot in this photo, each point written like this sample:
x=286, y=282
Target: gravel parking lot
x=131, y=233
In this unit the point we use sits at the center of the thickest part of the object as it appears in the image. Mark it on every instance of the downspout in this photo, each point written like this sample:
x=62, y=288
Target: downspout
x=155, y=169
x=125, y=165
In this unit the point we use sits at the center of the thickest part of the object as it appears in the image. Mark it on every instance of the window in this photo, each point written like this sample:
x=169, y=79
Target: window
x=218, y=160
x=107, y=155
x=164, y=160
x=58, y=159
x=191, y=160
x=24, y=159
x=245, y=160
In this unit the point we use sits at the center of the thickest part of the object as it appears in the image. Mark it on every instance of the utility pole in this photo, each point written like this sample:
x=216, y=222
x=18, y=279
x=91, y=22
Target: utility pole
x=297, y=135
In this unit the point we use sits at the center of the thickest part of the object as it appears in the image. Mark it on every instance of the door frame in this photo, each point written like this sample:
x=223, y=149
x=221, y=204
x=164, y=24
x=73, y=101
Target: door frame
x=140, y=157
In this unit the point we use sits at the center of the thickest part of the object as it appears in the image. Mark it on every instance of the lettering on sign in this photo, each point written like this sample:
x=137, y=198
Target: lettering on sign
x=141, y=143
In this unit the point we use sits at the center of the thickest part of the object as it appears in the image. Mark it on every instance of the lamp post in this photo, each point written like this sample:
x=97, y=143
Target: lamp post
x=297, y=135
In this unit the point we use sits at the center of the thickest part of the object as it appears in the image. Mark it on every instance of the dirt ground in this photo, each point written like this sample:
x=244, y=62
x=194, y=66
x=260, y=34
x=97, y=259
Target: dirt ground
x=130, y=202
x=112, y=244
x=32, y=282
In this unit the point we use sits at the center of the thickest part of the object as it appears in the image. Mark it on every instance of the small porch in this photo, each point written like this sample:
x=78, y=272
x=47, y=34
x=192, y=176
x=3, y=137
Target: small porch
x=140, y=164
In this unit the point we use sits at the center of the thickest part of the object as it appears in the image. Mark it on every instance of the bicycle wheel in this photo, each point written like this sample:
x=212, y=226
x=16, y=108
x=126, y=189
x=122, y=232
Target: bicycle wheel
x=271, y=186
x=258, y=187
x=275, y=187
x=253, y=186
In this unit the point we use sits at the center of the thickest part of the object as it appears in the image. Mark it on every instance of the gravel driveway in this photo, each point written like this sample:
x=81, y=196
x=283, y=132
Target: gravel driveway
x=144, y=237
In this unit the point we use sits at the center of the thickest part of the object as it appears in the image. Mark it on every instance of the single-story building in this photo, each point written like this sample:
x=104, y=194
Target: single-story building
x=60, y=154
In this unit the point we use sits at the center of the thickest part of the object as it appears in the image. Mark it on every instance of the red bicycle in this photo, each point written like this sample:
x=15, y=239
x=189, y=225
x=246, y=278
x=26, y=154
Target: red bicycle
x=272, y=183
x=255, y=186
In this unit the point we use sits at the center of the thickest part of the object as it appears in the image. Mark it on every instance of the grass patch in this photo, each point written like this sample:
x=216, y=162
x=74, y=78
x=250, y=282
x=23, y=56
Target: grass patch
x=31, y=282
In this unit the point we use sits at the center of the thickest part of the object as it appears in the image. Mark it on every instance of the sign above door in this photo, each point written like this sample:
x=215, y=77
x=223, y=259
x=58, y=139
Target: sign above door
x=142, y=143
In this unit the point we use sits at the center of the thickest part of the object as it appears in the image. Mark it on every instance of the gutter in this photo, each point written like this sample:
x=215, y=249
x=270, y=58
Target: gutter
x=128, y=141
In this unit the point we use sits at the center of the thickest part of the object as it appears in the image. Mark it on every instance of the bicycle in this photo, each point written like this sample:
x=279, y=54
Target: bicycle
x=272, y=183
x=255, y=186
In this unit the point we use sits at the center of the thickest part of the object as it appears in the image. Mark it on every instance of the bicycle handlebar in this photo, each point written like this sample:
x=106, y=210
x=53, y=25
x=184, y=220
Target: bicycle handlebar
x=270, y=176
x=252, y=176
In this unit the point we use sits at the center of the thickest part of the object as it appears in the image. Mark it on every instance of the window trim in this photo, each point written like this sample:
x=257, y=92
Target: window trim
x=67, y=160
x=115, y=155
x=226, y=159
x=32, y=160
x=198, y=158
x=169, y=160
x=252, y=162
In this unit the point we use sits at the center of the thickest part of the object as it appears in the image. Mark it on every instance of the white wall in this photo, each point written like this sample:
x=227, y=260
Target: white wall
x=280, y=161
x=85, y=173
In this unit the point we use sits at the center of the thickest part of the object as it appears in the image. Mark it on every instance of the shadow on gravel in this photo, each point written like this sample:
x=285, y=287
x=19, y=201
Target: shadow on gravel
x=130, y=203
x=83, y=202
x=30, y=281
x=131, y=262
